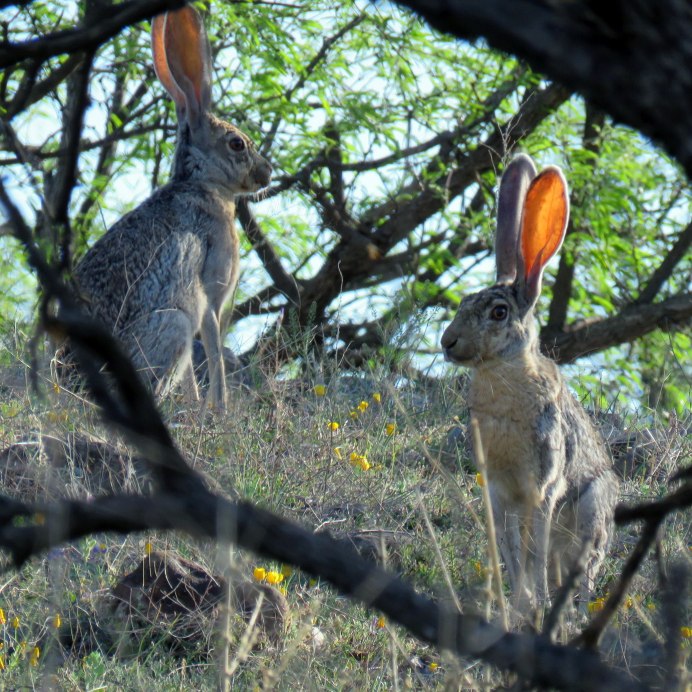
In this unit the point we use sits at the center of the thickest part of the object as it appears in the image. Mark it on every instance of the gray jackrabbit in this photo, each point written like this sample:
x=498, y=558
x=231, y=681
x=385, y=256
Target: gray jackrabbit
x=551, y=482
x=163, y=272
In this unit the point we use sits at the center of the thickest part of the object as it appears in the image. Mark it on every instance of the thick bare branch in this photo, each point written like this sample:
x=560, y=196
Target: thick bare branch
x=632, y=322
x=202, y=514
x=60, y=185
x=562, y=287
x=87, y=38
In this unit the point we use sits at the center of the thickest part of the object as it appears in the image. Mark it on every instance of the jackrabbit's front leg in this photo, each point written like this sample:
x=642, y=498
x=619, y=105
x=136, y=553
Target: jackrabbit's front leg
x=508, y=535
x=211, y=338
x=542, y=520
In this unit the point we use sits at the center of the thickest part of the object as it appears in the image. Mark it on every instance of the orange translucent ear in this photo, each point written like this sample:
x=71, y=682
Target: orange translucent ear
x=546, y=212
x=161, y=64
x=187, y=56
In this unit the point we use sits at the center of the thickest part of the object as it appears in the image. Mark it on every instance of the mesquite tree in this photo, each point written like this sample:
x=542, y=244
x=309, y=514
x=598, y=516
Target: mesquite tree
x=387, y=139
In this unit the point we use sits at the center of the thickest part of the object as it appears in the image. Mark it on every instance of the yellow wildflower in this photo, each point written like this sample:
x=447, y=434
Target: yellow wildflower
x=377, y=398
x=363, y=406
x=651, y=605
x=433, y=666
x=148, y=548
x=274, y=577
x=58, y=416
x=686, y=632
x=628, y=602
x=259, y=573
x=360, y=460
x=596, y=605
x=353, y=414
x=390, y=429
x=56, y=621
x=34, y=656
x=3, y=620
x=15, y=622
x=337, y=453
x=333, y=426
x=319, y=389
x=480, y=481
x=2, y=662
x=380, y=622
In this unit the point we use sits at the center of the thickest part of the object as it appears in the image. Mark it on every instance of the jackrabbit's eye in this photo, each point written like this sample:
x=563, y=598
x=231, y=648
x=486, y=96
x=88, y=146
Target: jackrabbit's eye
x=498, y=313
x=236, y=144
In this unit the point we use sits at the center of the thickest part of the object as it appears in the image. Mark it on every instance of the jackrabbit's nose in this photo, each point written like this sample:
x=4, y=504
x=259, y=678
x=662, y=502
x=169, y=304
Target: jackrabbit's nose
x=447, y=341
x=263, y=173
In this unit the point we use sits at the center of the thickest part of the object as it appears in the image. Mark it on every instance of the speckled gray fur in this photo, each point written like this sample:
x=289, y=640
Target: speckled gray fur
x=163, y=272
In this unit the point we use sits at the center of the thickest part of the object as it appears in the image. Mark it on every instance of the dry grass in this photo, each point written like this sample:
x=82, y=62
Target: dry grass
x=394, y=477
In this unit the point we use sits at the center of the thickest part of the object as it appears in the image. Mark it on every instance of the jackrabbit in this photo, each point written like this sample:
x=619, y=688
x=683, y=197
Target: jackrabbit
x=163, y=272
x=551, y=482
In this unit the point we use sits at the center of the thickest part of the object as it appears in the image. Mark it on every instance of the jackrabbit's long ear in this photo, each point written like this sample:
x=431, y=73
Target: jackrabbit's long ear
x=510, y=204
x=161, y=64
x=184, y=64
x=546, y=212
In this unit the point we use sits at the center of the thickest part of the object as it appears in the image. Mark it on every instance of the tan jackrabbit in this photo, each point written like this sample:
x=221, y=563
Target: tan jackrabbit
x=163, y=272
x=551, y=482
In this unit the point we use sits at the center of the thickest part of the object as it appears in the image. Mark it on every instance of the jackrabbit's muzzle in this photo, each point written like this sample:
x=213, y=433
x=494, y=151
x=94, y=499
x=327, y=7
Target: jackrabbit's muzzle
x=262, y=173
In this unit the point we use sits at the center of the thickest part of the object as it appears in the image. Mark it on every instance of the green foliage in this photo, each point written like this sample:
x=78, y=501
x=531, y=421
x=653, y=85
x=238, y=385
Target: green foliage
x=369, y=85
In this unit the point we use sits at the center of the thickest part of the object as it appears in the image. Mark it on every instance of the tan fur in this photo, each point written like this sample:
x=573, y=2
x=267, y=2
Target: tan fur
x=551, y=482
x=506, y=399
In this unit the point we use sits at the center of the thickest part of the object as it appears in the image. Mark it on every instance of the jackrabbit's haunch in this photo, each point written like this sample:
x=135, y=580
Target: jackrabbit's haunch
x=550, y=476
x=163, y=272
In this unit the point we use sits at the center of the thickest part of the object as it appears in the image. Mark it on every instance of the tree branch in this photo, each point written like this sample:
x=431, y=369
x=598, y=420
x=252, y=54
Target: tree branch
x=204, y=515
x=631, y=59
x=653, y=514
x=316, y=59
x=60, y=185
x=283, y=281
x=87, y=38
x=666, y=268
x=30, y=92
x=633, y=322
x=562, y=287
